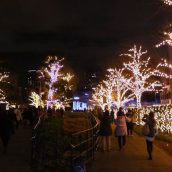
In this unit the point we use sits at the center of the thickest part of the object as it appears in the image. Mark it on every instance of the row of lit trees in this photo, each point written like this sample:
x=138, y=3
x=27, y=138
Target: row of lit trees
x=119, y=88
x=122, y=85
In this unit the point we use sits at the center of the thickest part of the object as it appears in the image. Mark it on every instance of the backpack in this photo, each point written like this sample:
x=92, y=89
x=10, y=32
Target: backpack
x=145, y=130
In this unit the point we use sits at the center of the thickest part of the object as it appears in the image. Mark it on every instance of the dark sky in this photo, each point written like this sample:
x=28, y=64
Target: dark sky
x=88, y=33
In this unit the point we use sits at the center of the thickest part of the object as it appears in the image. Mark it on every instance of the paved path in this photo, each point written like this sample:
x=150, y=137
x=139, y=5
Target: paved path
x=17, y=157
x=132, y=159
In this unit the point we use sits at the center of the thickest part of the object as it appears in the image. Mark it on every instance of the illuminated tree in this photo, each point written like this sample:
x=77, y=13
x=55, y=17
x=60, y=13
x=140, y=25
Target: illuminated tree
x=36, y=100
x=140, y=73
x=56, y=81
x=3, y=79
x=117, y=83
x=113, y=90
x=99, y=93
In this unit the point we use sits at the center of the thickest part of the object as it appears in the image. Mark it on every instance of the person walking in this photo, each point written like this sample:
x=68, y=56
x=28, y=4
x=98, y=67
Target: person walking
x=152, y=132
x=130, y=122
x=6, y=127
x=121, y=128
x=105, y=130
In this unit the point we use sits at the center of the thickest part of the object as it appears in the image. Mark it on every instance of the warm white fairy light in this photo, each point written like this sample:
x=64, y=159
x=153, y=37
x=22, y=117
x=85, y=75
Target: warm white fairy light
x=140, y=73
x=163, y=116
x=113, y=90
x=167, y=41
x=99, y=95
x=53, y=75
x=117, y=80
x=168, y=2
x=3, y=78
x=164, y=65
x=68, y=77
x=36, y=100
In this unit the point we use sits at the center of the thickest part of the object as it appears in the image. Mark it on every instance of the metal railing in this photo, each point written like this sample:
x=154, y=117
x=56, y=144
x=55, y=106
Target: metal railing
x=82, y=145
x=85, y=143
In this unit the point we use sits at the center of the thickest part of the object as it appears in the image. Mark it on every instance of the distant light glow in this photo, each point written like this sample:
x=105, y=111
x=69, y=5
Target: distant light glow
x=79, y=105
x=168, y=2
x=3, y=79
x=36, y=100
x=76, y=98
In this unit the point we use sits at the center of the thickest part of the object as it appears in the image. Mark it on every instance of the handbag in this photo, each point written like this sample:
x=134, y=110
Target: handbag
x=145, y=130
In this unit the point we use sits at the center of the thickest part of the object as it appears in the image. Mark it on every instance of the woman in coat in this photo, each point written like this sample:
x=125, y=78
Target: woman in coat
x=153, y=131
x=105, y=129
x=121, y=128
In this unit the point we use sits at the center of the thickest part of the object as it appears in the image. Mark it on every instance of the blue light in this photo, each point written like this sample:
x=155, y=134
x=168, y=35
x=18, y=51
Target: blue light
x=76, y=98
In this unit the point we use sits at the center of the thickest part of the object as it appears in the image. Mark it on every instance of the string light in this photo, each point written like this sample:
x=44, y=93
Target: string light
x=163, y=116
x=36, y=100
x=113, y=90
x=3, y=79
x=162, y=65
x=167, y=41
x=117, y=80
x=168, y=2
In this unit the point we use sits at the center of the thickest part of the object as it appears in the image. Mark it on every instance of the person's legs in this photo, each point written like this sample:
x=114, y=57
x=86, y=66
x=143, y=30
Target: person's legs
x=5, y=141
x=108, y=143
x=131, y=129
x=123, y=140
x=119, y=142
x=104, y=143
x=149, y=149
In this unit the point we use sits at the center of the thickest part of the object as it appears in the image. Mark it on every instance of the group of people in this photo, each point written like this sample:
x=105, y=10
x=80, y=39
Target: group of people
x=124, y=125
x=26, y=117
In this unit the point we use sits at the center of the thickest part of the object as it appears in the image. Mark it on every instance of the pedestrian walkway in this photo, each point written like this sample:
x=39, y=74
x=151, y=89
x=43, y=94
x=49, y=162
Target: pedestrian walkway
x=17, y=157
x=133, y=159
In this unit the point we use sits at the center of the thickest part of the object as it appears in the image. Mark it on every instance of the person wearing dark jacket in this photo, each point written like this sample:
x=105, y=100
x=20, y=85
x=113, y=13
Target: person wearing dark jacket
x=106, y=130
x=6, y=127
x=153, y=131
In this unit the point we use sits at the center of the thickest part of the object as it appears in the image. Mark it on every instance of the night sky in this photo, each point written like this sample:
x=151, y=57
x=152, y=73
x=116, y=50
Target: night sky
x=90, y=34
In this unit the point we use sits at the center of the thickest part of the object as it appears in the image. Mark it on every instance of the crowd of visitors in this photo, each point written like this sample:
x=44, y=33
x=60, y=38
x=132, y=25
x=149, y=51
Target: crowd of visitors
x=124, y=124
x=27, y=117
